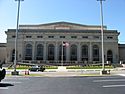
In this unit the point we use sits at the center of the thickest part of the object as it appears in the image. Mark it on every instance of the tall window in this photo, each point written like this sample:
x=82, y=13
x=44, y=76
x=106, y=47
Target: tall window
x=60, y=52
x=28, y=52
x=51, y=52
x=84, y=53
x=39, y=55
x=73, y=53
x=109, y=56
x=95, y=53
x=13, y=55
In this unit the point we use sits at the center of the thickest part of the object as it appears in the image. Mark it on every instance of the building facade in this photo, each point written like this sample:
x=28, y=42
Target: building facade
x=3, y=52
x=122, y=53
x=46, y=43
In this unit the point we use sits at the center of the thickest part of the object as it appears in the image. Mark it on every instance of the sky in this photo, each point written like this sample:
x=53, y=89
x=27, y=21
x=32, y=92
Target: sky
x=86, y=12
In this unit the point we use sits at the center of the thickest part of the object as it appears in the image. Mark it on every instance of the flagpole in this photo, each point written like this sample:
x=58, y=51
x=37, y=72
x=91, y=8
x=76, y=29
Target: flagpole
x=62, y=55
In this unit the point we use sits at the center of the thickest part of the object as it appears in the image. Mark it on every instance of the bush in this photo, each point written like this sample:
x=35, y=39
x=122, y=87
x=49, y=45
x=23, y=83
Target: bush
x=50, y=67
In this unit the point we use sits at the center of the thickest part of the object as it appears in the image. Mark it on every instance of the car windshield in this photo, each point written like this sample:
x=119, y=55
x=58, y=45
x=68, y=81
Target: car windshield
x=35, y=66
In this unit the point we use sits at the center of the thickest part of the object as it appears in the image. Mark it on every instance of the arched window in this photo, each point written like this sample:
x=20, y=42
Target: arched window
x=109, y=56
x=39, y=55
x=84, y=53
x=51, y=52
x=95, y=53
x=73, y=53
x=60, y=52
x=28, y=52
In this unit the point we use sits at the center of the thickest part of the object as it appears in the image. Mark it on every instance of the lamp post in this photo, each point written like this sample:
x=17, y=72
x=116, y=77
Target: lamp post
x=16, y=37
x=62, y=55
x=102, y=39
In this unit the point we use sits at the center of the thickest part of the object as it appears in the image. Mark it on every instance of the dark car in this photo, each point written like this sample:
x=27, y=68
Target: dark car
x=37, y=68
x=2, y=74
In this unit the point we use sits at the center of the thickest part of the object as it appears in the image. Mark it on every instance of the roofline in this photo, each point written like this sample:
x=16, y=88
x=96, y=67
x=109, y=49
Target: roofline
x=60, y=30
x=62, y=22
x=121, y=45
x=3, y=44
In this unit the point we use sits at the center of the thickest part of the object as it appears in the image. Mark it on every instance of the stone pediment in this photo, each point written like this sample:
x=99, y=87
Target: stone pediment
x=61, y=25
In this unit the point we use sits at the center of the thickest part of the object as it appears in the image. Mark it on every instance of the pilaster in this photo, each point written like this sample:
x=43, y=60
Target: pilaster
x=90, y=52
x=79, y=52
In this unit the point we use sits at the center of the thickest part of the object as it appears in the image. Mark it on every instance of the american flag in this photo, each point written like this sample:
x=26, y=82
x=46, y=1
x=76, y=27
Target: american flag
x=65, y=44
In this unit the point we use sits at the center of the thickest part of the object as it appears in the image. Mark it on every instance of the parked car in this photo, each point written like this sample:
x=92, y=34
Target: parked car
x=2, y=74
x=37, y=68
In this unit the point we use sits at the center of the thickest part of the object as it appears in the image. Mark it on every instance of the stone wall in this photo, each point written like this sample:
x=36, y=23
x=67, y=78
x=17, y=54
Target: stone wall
x=2, y=52
x=122, y=52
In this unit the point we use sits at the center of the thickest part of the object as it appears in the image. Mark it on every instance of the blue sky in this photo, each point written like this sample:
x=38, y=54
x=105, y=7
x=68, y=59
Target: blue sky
x=76, y=11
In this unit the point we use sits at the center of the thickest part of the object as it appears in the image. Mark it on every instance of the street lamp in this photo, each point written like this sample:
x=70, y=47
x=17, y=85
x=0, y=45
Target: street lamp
x=16, y=36
x=62, y=55
x=102, y=39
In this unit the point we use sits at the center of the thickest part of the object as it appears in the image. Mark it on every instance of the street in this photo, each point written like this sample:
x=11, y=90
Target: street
x=63, y=85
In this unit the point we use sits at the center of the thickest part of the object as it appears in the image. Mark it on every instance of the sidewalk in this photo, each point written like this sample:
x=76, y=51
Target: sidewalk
x=68, y=72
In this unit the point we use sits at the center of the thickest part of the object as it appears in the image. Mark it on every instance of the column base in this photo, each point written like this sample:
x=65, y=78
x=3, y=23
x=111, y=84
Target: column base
x=103, y=72
x=61, y=69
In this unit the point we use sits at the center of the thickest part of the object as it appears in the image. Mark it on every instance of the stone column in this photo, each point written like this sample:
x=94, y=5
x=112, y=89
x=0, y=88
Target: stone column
x=44, y=53
x=79, y=52
x=9, y=55
x=56, y=52
x=90, y=52
x=23, y=49
x=33, y=51
x=68, y=53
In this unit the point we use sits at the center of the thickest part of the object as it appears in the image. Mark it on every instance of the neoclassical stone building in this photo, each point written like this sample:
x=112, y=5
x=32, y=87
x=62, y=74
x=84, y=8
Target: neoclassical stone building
x=43, y=43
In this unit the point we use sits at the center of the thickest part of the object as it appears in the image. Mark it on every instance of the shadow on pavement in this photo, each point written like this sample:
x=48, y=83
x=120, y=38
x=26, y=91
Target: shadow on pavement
x=5, y=84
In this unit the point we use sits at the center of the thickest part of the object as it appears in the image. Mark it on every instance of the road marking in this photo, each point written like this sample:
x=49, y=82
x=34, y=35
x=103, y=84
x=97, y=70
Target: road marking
x=12, y=78
x=3, y=88
x=103, y=77
x=121, y=74
x=114, y=86
x=112, y=80
x=11, y=82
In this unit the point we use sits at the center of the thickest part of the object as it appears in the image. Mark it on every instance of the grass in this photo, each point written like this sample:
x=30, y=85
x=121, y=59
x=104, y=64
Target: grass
x=88, y=67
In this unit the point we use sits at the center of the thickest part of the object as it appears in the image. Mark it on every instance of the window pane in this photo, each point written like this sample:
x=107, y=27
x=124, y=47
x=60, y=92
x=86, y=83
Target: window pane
x=40, y=52
x=95, y=53
x=28, y=51
x=51, y=52
x=85, y=52
x=73, y=52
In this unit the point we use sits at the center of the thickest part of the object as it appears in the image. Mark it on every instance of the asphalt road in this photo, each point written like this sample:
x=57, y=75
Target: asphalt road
x=63, y=85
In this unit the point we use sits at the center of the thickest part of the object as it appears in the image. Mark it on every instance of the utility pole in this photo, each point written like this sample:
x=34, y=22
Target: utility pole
x=62, y=55
x=102, y=37
x=16, y=37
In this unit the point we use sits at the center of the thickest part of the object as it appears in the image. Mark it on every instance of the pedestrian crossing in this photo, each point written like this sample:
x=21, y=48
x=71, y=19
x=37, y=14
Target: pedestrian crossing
x=110, y=82
x=11, y=81
x=4, y=88
x=106, y=81
x=121, y=74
